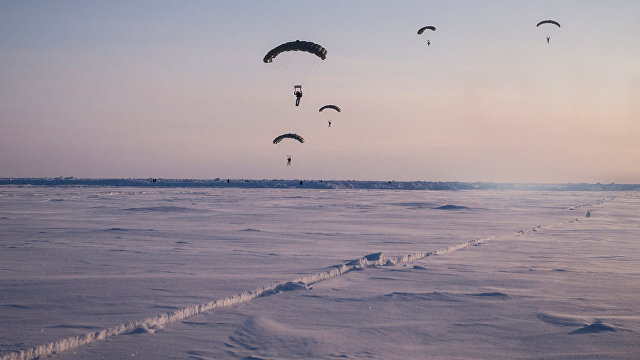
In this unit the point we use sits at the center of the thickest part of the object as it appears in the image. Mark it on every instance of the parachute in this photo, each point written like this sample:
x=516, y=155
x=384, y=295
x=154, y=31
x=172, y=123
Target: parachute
x=288, y=136
x=334, y=107
x=432, y=28
x=548, y=22
x=549, y=29
x=297, y=45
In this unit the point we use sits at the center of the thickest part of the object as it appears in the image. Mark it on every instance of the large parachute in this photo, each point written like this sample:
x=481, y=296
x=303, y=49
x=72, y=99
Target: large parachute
x=288, y=136
x=297, y=45
x=548, y=22
x=334, y=107
x=432, y=28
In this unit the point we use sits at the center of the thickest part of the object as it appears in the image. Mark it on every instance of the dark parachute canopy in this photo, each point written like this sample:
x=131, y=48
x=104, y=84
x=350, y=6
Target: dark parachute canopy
x=297, y=45
x=288, y=136
x=334, y=107
x=432, y=28
x=548, y=22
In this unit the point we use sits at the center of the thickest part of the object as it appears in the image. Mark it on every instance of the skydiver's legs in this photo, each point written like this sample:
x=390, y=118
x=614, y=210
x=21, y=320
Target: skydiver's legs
x=298, y=100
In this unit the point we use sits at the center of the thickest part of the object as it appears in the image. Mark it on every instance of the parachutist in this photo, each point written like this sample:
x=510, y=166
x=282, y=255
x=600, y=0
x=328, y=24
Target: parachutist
x=297, y=91
x=288, y=160
x=334, y=107
x=432, y=28
x=549, y=22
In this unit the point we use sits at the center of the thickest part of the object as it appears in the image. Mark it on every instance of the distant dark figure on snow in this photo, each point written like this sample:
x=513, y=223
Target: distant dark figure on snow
x=288, y=160
x=548, y=39
x=428, y=43
x=329, y=123
x=588, y=213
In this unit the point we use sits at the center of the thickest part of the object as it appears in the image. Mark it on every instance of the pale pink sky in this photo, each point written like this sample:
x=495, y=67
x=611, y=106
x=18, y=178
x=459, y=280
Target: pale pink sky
x=174, y=89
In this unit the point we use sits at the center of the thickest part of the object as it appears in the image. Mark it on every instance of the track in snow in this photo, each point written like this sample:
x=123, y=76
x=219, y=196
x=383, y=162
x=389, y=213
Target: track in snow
x=153, y=323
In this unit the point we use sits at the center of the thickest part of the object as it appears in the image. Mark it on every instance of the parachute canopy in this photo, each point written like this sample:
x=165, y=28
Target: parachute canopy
x=334, y=107
x=432, y=28
x=548, y=22
x=297, y=45
x=288, y=136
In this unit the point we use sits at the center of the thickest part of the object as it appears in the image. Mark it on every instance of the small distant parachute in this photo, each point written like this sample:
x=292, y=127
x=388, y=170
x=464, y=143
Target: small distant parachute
x=288, y=136
x=548, y=22
x=297, y=45
x=334, y=107
x=432, y=28
x=549, y=29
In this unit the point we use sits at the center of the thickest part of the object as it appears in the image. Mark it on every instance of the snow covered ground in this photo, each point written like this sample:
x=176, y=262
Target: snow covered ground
x=208, y=273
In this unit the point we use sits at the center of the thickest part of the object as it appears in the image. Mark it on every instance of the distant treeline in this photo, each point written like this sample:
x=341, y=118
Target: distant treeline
x=314, y=184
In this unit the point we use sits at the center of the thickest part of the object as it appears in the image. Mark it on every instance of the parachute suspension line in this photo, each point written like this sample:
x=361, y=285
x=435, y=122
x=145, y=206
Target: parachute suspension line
x=307, y=75
x=298, y=74
x=311, y=69
x=285, y=66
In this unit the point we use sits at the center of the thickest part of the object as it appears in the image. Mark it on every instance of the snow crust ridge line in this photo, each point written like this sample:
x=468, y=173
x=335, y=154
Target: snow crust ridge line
x=158, y=321
x=153, y=323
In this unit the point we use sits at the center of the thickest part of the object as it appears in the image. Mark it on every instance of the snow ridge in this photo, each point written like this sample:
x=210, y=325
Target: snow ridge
x=158, y=321
x=151, y=324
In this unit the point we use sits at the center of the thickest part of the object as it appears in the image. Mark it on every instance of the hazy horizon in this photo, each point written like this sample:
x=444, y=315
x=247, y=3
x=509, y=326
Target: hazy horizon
x=179, y=90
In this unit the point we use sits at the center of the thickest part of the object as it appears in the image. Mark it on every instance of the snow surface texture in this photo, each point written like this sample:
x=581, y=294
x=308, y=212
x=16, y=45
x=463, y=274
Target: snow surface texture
x=79, y=265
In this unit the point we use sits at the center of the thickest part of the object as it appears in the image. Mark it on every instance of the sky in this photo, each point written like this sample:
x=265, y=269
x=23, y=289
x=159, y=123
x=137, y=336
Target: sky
x=178, y=89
